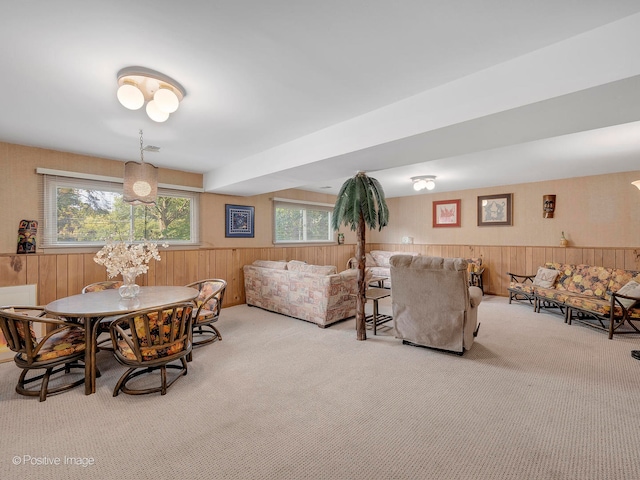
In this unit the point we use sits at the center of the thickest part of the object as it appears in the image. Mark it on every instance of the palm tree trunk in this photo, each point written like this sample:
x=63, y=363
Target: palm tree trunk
x=361, y=330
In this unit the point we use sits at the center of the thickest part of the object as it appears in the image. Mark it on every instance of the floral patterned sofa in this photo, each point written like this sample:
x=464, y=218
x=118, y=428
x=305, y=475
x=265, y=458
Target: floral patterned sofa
x=377, y=263
x=314, y=293
x=606, y=298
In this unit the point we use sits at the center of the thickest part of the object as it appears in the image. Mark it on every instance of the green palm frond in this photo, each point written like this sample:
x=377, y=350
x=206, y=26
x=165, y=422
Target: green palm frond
x=360, y=203
x=360, y=195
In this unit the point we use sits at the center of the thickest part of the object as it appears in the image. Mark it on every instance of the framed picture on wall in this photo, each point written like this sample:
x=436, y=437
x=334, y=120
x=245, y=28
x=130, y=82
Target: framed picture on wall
x=446, y=213
x=495, y=210
x=239, y=221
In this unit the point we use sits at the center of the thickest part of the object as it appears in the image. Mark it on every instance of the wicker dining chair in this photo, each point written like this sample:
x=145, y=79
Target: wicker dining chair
x=57, y=351
x=208, y=304
x=100, y=286
x=105, y=322
x=149, y=340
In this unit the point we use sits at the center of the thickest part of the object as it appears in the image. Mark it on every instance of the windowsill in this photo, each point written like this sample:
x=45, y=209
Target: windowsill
x=280, y=244
x=94, y=249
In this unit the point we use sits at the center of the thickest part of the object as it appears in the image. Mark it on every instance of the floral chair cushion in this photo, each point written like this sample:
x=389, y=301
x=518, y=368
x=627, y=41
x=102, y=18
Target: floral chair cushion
x=101, y=286
x=210, y=308
x=552, y=294
x=522, y=287
x=61, y=344
x=160, y=330
x=151, y=353
x=589, y=280
x=20, y=325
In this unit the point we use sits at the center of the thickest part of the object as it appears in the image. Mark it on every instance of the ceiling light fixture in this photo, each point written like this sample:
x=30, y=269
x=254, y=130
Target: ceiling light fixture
x=140, y=181
x=636, y=183
x=137, y=85
x=424, y=181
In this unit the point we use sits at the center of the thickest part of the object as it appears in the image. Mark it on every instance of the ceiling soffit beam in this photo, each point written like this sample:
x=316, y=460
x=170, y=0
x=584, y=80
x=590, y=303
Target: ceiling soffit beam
x=600, y=56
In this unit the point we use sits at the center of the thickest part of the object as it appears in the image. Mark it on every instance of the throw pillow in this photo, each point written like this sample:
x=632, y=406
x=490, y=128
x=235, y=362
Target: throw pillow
x=545, y=277
x=632, y=289
x=321, y=269
x=271, y=264
x=369, y=261
x=296, y=265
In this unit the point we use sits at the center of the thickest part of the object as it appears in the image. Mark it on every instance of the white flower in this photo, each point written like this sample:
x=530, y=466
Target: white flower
x=132, y=258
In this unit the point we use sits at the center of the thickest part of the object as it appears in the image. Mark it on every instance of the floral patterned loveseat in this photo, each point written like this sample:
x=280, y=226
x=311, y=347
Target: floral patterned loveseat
x=314, y=293
x=603, y=297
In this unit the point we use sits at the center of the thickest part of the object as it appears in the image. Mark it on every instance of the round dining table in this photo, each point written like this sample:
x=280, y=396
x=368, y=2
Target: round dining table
x=90, y=308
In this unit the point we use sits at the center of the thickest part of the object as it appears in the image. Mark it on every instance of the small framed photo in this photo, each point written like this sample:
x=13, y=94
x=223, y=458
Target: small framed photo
x=495, y=210
x=239, y=221
x=446, y=213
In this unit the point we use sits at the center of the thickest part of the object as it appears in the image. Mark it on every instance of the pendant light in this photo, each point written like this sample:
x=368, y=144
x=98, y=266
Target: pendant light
x=140, y=181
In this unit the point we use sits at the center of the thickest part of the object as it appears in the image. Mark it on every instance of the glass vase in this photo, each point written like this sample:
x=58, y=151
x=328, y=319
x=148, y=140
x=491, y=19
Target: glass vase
x=129, y=289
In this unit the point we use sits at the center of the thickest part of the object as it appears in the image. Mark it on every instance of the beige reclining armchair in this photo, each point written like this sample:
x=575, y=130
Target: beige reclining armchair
x=433, y=304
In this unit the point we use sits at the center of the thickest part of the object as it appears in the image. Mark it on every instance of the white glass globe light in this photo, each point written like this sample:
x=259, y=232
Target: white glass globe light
x=155, y=113
x=166, y=100
x=130, y=96
x=429, y=184
x=419, y=185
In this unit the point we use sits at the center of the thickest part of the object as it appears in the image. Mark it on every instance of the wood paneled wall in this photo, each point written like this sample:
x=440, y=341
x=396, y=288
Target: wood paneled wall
x=498, y=260
x=60, y=275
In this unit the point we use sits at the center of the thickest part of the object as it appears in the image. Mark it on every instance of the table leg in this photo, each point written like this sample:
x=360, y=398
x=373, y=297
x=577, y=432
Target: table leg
x=91, y=349
x=375, y=315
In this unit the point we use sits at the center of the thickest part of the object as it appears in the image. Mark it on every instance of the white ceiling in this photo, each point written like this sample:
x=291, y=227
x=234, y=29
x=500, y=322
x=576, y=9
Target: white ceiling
x=302, y=94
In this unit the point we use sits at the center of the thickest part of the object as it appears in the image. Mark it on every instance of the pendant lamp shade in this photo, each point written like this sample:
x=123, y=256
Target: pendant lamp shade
x=140, y=181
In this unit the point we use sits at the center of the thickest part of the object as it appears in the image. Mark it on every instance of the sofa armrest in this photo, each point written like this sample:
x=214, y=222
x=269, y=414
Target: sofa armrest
x=516, y=278
x=475, y=296
x=625, y=305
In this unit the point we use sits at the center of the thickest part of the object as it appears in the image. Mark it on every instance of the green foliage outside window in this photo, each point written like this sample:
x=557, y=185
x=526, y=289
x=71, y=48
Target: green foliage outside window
x=295, y=223
x=94, y=214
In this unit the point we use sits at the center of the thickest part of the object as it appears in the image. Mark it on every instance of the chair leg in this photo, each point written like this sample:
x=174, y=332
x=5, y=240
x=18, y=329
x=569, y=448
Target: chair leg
x=163, y=375
x=43, y=389
x=123, y=378
x=133, y=372
x=209, y=330
x=217, y=332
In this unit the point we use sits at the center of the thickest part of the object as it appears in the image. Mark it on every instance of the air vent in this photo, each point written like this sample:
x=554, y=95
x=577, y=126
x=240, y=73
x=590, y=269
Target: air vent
x=151, y=148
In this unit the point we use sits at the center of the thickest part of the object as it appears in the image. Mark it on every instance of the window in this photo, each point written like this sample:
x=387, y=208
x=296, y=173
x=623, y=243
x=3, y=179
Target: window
x=80, y=212
x=302, y=222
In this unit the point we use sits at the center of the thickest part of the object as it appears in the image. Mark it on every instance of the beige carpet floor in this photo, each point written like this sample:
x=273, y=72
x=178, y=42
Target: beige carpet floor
x=280, y=398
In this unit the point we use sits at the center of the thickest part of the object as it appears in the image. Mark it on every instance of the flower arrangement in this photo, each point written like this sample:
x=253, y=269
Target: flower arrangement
x=127, y=258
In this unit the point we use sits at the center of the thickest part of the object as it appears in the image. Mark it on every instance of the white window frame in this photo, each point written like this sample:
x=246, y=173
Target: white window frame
x=331, y=235
x=53, y=182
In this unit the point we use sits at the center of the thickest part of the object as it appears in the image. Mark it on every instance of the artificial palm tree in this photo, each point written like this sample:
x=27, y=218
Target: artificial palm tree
x=361, y=204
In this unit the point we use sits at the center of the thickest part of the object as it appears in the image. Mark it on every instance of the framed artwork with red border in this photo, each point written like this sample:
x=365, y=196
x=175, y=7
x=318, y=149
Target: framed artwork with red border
x=446, y=213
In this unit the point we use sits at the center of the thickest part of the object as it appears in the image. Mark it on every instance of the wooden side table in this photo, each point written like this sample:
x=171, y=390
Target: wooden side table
x=475, y=279
x=375, y=294
x=379, y=279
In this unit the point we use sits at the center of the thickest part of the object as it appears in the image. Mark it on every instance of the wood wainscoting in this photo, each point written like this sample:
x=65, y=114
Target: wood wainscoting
x=59, y=275
x=498, y=260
